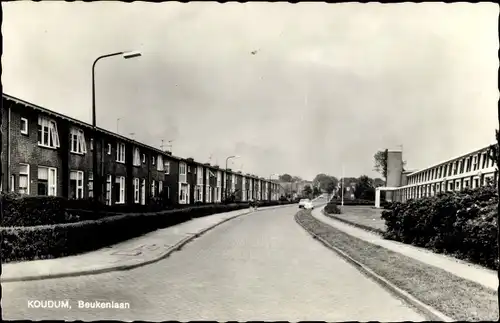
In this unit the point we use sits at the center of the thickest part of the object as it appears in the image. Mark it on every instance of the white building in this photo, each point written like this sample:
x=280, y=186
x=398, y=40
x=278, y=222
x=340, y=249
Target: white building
x=470, y=170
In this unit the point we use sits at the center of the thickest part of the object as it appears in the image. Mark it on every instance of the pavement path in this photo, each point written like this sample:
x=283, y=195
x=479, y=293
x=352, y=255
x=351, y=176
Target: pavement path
x=262, y=266
x=130, y=253
x=457, y=267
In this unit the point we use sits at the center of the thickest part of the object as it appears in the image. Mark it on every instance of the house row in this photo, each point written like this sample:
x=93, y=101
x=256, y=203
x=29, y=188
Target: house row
x=47, y=153
x=470, y=170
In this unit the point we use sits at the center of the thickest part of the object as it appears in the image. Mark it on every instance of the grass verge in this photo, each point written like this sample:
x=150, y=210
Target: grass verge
x=455, y=297
x=353, y=223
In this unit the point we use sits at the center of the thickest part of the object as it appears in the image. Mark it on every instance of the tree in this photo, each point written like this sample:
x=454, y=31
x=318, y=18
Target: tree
x=316, y=191
x=364, y=188
x=377, y=182
x=380, y=160
x=286, y=178
x=331, y=186
x=325, y=182
x=296, y=179
x=307, y=190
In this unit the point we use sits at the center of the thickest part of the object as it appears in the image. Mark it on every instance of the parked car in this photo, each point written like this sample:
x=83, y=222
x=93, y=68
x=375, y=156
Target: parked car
x=306, y=204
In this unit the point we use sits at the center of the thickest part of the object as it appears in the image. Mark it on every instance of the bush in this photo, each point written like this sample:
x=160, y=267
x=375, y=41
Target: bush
x=32, y=210
x=332, y=208
x=463, y=224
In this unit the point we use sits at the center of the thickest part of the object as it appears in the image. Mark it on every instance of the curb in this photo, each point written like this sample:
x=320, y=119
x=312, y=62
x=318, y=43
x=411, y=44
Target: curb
x=167, y=253
x=431, y=313
x=357, y=225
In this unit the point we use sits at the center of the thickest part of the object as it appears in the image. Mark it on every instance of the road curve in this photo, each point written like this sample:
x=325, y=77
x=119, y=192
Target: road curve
x=263, y=266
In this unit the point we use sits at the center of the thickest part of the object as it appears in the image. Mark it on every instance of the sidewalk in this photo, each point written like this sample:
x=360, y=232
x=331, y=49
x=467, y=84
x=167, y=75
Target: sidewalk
x=129, y=254
x=460, y=268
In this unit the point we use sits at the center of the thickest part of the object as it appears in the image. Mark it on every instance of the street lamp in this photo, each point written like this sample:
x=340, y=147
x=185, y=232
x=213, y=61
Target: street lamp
x=97, y=181
x=342, y=187
x=227, y=159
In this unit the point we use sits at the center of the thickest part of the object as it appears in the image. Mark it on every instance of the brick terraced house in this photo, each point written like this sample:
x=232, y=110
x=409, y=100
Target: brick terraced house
x=47, y=153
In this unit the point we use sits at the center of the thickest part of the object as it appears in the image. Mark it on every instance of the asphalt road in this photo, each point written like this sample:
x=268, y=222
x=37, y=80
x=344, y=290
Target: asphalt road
x=263, y=266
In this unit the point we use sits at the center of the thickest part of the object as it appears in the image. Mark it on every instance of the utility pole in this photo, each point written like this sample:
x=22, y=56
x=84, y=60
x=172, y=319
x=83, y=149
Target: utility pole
x=498, y=206
x=1, y=181
x=342, y=187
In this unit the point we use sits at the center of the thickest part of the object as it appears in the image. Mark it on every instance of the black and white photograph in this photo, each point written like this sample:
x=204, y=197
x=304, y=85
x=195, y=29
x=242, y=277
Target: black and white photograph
x=257, y=161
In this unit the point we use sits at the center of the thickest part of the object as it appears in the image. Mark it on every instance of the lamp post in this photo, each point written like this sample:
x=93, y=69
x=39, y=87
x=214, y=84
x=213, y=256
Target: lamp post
x=342, y=187
x=498, y=206
x=227, y=159
x=97, y=178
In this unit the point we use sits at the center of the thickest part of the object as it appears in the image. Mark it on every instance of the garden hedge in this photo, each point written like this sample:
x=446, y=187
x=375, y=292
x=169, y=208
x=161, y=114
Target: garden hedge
x=63, y=239
x=332, y=208
x=463, y=224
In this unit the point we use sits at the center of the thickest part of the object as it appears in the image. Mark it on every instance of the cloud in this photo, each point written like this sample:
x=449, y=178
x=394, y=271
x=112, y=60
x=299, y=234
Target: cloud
x=329, y=85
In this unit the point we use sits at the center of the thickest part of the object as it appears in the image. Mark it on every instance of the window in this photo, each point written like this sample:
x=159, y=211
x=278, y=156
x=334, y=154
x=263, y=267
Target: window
x=76, y=184
x=182, y=173
x=24, y=126
x=461, y=167
x=199, y=176
x=143, y=191
x=78, y=145
x=168, y=192
x=219, y=179
x=136, y=190
x=120, y=152
x=189, y=169
x=153, y=187
x=474, y=163
x=153, y=160
x=24, y=179
x=91, y=184
x=108, y=190
x=182, y=169
x=47, y=133
x=109, y=149
x=12, y=183
x=485, y=161
x=91, y=144
x=120, y=189
x=137, y=157
x=167, y=168
x=198, y=196
x=476, y=182
x=143, y=158
x=183, y=194
x=47, y=181
x=159, y=166
x=160, y=187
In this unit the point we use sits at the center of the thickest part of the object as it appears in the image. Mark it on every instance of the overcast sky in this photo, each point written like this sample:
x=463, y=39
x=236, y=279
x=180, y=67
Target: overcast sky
x=330, y=84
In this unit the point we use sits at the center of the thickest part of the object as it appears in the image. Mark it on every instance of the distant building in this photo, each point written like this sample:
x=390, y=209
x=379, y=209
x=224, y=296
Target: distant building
x=470, y=170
